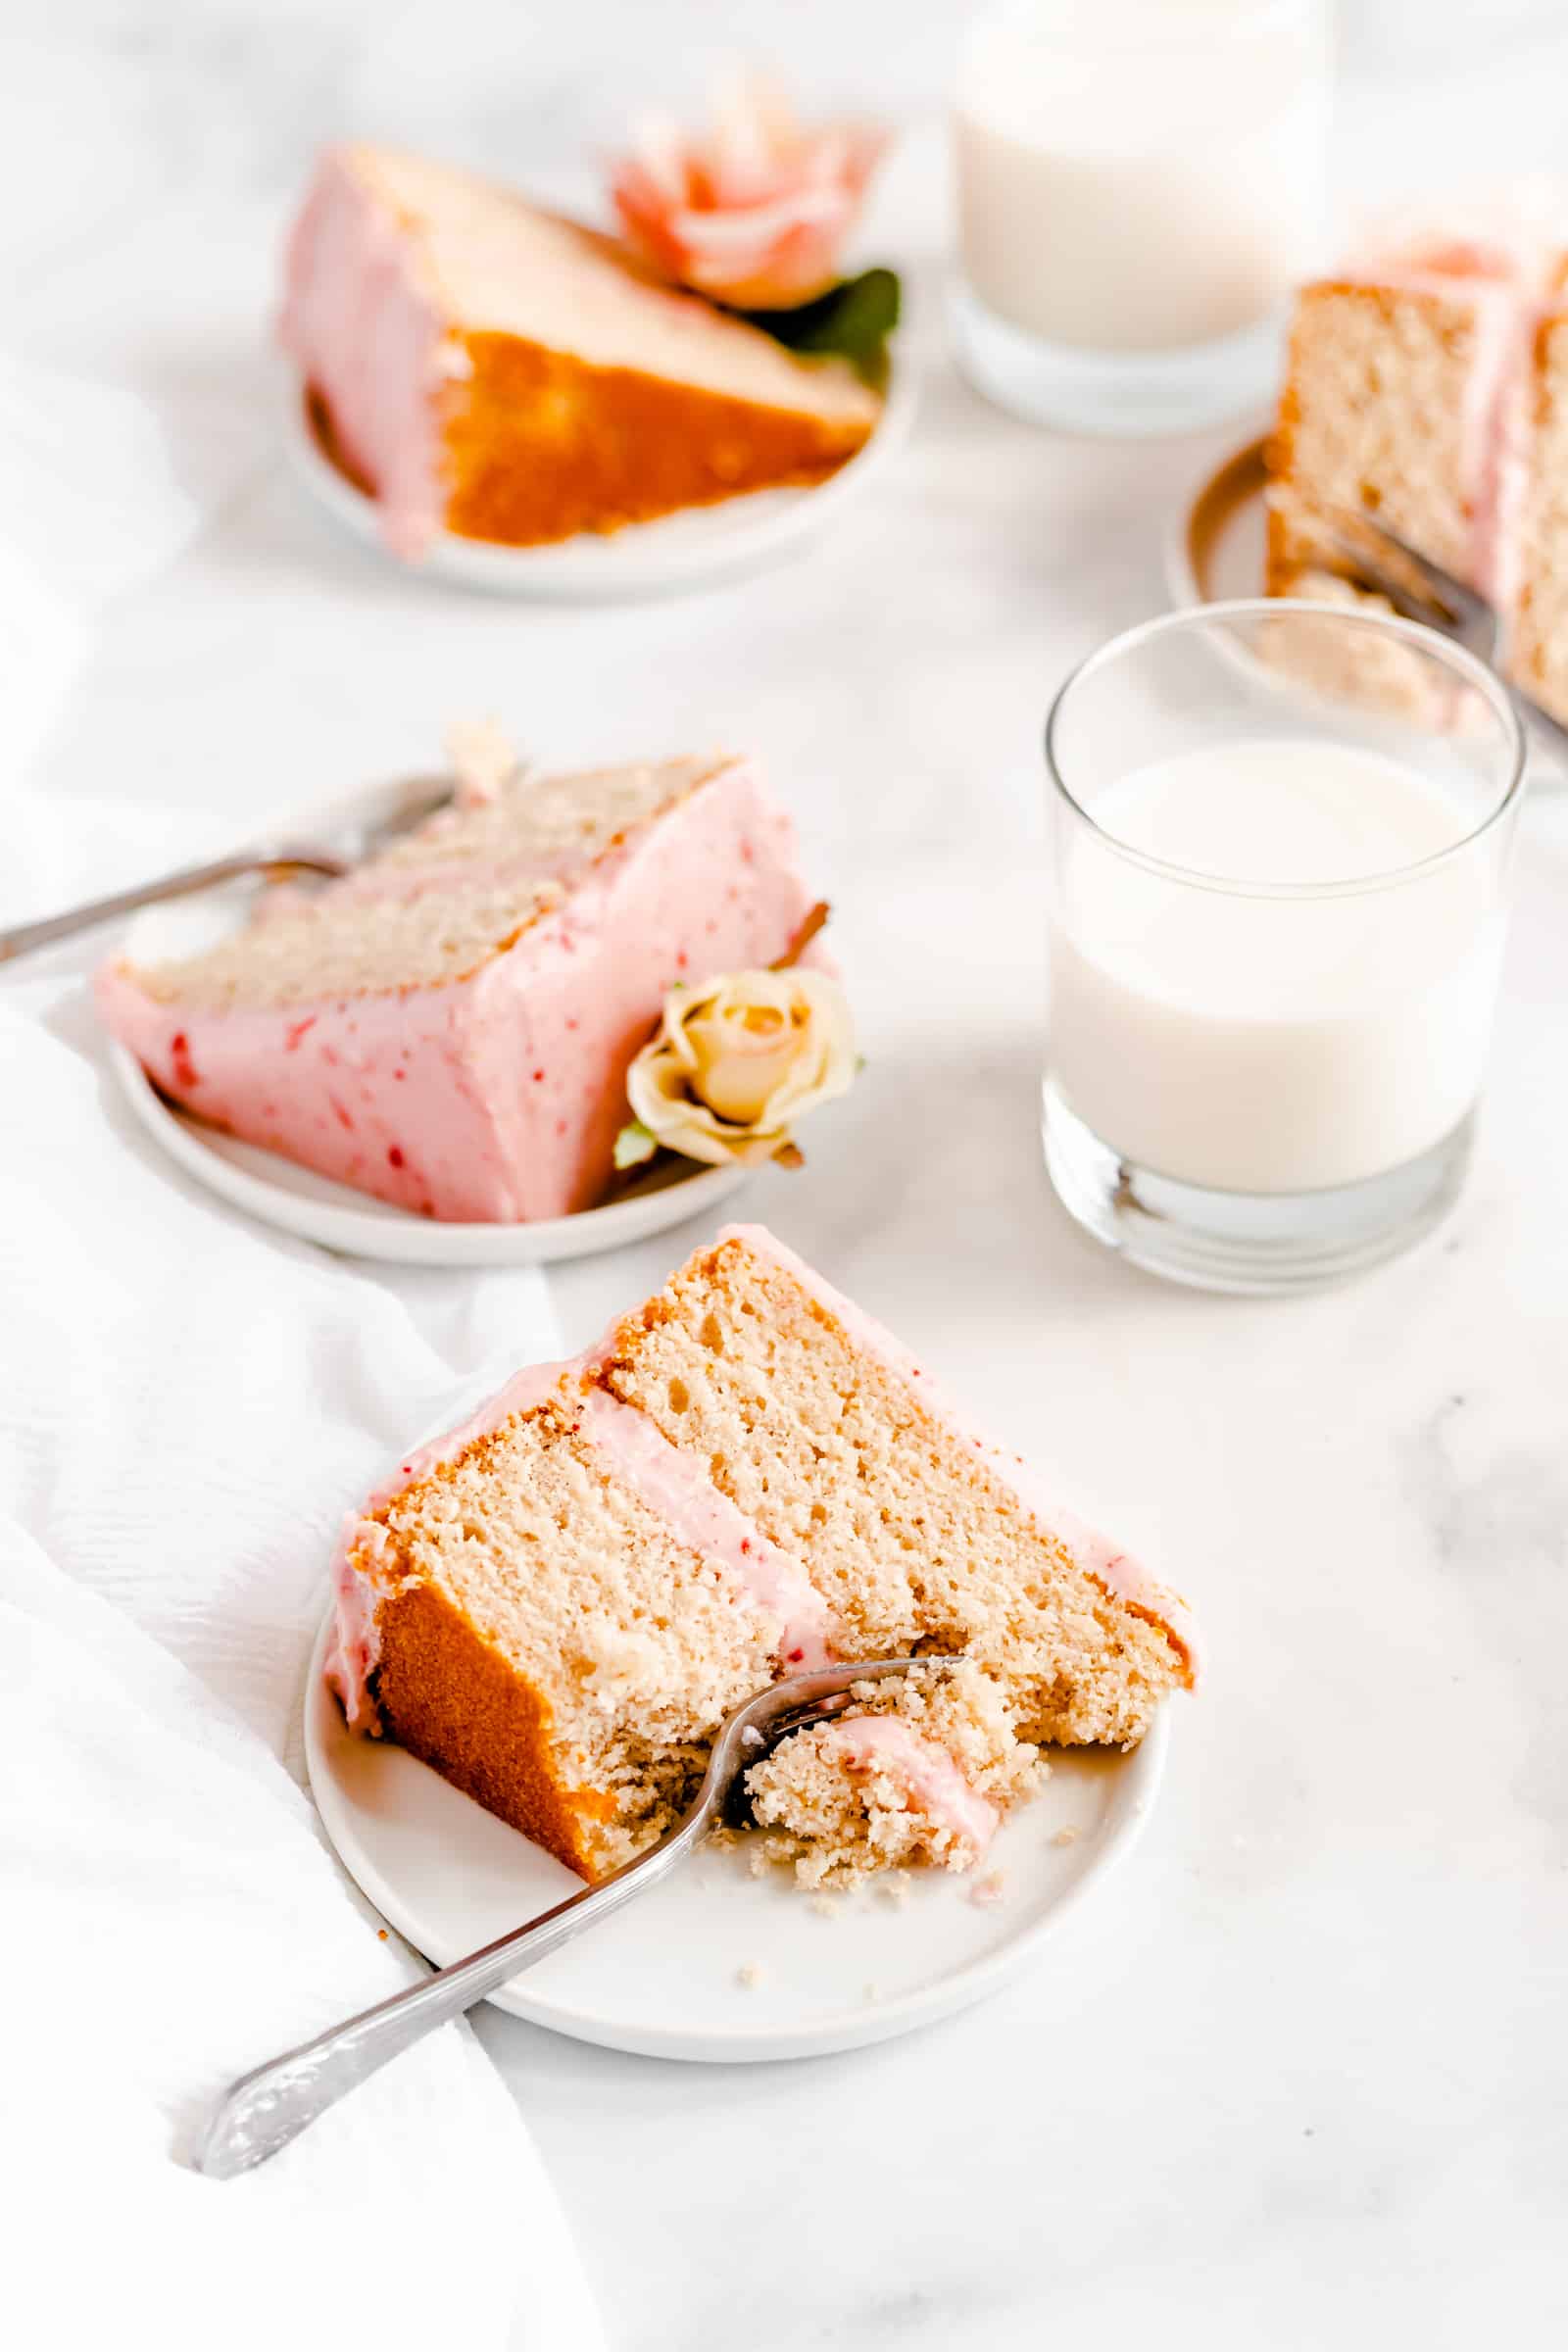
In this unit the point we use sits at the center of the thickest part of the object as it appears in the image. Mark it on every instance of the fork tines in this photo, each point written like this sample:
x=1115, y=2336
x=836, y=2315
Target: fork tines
x=1417, y=588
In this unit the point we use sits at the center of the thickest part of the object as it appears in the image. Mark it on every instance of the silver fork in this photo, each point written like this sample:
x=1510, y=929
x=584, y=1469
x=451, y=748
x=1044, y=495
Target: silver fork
x=1420, y=590
x=263, y=2110
x=398, y=809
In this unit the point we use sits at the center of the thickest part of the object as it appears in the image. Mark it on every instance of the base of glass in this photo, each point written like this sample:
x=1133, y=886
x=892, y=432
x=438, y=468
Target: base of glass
x=1258, y=1242
x=1125, y=394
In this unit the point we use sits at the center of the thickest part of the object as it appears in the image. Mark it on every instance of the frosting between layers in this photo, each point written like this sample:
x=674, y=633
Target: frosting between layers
x=1117, y=1571
x=678, y=1492
x=882, y=1744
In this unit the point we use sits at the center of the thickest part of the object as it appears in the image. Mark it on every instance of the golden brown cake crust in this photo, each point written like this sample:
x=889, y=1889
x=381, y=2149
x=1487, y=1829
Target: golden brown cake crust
x=538, y=446
x=462, y=1707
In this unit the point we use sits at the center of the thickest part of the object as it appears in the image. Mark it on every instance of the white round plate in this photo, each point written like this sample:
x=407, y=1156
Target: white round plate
x=663, y=1976
x=1214, y=549
x=644, y=559
x=315, y=1209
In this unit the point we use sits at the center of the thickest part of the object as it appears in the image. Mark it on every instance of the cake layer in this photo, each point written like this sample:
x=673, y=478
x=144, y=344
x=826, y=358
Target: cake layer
x=1377, y=400
x=518, y=377
x=555, y=826
x=460, y=1048
x=838, y=1446
x=495, y=869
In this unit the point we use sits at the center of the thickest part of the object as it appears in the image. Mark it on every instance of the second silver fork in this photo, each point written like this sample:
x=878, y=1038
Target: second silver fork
x=1422, y=591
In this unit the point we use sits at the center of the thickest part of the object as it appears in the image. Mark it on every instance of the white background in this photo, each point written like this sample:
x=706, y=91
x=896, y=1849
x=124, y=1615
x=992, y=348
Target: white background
x=1300, y=2079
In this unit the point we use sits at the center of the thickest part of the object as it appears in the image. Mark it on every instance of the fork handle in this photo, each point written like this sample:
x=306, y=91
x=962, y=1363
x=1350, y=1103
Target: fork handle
x=263, y=2110
x=24, y=936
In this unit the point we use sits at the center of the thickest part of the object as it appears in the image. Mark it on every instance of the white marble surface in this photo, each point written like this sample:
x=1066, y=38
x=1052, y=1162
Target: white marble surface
x=1301, y=2077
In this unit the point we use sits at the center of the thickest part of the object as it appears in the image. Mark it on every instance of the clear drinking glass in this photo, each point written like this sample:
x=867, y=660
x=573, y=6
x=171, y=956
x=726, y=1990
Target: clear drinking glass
x=1278, y=856
x=1140, y=185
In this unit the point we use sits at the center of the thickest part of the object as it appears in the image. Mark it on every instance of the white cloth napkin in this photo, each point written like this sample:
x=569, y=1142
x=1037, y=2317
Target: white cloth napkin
x=91, y=503
x=187, y=1403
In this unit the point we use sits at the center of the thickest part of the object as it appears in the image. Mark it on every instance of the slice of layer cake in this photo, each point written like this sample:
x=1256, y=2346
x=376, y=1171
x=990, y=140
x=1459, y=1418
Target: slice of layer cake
x=499, y=372
x=450, y=1027
x=1426, y=385
x=556, y=1605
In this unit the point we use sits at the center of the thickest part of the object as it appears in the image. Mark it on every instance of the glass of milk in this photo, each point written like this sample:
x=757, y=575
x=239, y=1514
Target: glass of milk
x=1279, y=837
x=1140, y=185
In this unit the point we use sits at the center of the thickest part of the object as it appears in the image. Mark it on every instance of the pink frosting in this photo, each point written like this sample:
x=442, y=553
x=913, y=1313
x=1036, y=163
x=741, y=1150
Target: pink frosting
x=885, y=1744
x=1105, y=1561
x=705, y=1520
x=495, y=1099
x=373, y=341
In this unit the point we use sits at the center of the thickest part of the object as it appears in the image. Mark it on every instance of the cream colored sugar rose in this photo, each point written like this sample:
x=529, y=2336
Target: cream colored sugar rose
x=738, y=1060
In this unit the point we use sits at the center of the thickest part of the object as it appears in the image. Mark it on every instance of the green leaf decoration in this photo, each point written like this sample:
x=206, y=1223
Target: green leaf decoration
x=853, y=319
x=633, y=1145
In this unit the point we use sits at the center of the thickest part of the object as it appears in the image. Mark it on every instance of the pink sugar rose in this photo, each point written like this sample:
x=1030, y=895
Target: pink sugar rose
x=755, y=212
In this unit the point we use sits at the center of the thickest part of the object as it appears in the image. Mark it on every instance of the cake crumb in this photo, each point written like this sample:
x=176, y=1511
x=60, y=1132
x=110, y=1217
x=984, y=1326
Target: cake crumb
x=842, y=1810
x=989, y=1889
x=750, y=1975
x=824, y=1906
x=895, y=1887
x=871, y=1991
x=1066, y=1836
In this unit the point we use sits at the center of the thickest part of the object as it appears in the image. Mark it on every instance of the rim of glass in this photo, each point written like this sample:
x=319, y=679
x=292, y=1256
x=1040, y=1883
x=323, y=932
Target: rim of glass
x=1431, y=642
x=1247, y=16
